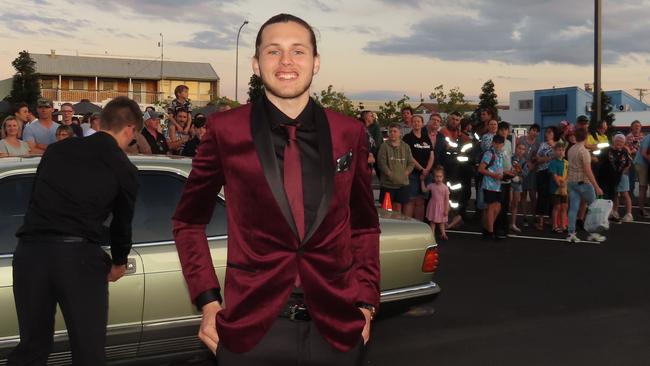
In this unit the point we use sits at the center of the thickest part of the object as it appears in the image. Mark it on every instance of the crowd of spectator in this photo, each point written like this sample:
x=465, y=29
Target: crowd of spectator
x=23, y=134
x=542, y=179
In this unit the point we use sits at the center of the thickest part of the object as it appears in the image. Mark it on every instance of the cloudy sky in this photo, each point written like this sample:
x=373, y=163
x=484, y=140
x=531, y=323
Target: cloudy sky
x=370, y=49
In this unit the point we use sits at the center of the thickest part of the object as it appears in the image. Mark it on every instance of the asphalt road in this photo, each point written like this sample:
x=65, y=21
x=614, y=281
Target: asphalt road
x=533, y=300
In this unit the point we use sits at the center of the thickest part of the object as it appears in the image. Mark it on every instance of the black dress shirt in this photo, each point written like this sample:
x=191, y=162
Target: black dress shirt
x=309, y=154
x=78, y=184
x=157, y=143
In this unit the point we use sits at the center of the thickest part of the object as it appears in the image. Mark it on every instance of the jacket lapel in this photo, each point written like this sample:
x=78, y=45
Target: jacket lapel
x=261, y=131
x=326, y=168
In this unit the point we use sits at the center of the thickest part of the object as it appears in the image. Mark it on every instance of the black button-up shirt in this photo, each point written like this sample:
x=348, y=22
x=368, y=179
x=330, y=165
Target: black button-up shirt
x=157, y=143
x=78, y=184
x=309, y=153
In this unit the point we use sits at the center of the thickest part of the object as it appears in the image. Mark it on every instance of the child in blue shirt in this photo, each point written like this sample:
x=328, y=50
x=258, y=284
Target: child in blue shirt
x=559, y=168
x=491, y=167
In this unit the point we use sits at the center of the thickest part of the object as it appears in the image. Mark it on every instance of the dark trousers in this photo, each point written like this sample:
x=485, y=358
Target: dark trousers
x=502, y=225
x=74, y=276
x=543, y=193
x=295, y=343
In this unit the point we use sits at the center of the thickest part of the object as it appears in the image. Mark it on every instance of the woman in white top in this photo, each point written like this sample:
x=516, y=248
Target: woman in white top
x=10, y=145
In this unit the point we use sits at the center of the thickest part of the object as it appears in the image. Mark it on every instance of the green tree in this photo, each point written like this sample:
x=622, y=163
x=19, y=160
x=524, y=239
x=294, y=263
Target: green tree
x=336, y=101
x=391, y=112
x=255, y=88
x=25, y=86
x=488, y=98
x=453, y=100
x=224, y=100
x=605, y=113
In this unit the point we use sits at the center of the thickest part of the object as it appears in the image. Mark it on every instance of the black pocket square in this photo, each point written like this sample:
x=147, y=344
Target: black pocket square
x=343, y=163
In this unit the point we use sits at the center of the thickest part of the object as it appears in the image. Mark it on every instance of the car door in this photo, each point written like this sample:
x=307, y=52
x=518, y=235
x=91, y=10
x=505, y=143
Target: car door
x=126, y=296
x=170, y=321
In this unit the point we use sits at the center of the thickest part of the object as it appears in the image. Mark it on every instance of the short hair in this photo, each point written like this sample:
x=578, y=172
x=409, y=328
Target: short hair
x=498, y=139
x=559, y=145
x=3, y=131
x=582, y=119
x=285, y=18
x=535, y=126
x=456, y=114
x=66, y=128
x=406, y=108
x=581, y=135
x=491, y=111
x=394, y=125
x=19, y=106
x=439, y=168
x=503, y=126
x=179, y=111
x=179, y=89
x=94, y=116
x=119, y=113
x=464, y=123
x=67, y=104
x=635, y=121
x=420, y=117
x=435, y=114
x=363, y=113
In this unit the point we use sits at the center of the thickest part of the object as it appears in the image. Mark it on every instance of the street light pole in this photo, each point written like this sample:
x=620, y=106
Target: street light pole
x=237, y=59
x=598, y=58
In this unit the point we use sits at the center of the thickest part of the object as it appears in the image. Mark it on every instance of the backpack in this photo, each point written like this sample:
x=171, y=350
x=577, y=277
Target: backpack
x=492, y=160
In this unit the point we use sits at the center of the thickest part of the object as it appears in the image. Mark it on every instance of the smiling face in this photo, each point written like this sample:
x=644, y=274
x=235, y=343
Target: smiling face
x=286, y=61
x=11, y=128
x=492, y=126
x=67, y=113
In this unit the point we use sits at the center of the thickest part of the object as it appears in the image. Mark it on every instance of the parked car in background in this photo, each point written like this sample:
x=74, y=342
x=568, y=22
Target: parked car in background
x=150, y=314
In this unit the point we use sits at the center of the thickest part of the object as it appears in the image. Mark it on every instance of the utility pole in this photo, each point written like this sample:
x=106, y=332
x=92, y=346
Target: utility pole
x=598, y=57
x=641, y=93
x=162, y=56
x=237, y=59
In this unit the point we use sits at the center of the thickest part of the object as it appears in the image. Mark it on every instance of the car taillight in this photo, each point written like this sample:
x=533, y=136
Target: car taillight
x=430, y=260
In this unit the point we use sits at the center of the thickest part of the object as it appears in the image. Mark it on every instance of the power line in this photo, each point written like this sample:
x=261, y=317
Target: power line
x=641, y=93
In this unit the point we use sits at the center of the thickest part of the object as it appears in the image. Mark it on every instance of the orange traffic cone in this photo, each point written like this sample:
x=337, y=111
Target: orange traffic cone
x=387, y=204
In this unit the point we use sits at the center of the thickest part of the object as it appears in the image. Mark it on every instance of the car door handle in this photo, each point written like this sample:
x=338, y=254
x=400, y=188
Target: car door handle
x=131, y=266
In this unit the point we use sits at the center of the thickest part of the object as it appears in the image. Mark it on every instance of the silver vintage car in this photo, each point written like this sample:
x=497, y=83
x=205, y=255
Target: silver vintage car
x=150, y=314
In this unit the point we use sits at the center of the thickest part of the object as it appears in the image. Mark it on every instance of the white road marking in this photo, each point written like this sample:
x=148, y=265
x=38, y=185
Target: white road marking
x=526, y=237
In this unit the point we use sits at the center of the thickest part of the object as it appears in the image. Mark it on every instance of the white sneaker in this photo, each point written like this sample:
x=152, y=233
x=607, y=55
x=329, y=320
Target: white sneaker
x=515, y=228
x=627, y=218
x=573, y=238
x=614, y=215
x=596, y=237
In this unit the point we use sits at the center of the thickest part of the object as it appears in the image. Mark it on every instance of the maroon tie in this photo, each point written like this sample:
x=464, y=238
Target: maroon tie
x=293, y=179
x=293, y=185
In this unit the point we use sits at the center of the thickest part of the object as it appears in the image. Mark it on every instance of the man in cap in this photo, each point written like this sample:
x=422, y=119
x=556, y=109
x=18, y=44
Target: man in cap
x=42, y=132
x=156, y=139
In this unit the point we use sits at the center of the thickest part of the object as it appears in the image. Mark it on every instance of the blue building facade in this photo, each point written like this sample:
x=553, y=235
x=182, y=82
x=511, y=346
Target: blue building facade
x=558, y=104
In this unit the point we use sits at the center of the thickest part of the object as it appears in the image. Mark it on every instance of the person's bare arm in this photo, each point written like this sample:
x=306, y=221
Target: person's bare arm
x=586, y=165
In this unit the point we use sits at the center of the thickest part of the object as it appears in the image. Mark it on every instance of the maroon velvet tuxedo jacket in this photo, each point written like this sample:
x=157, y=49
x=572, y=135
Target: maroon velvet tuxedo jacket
x=338, y=260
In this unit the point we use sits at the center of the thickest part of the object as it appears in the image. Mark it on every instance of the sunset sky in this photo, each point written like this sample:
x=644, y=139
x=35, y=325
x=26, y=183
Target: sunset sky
x=370, y=49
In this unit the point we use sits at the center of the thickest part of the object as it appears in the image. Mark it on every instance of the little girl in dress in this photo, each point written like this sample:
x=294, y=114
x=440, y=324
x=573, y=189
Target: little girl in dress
x=438, y=208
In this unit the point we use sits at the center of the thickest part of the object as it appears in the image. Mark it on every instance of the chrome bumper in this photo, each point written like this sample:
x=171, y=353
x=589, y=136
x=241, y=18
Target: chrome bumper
x=404, y=293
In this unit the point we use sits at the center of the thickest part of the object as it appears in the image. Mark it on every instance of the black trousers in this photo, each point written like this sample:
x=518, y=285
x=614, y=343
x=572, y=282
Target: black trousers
x=543, y=193
x=295, y=343
x=47, y=272
x=502, y=224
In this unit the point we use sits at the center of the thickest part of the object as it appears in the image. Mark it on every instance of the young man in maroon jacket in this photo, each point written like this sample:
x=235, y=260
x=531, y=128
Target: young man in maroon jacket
x=302, y=275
